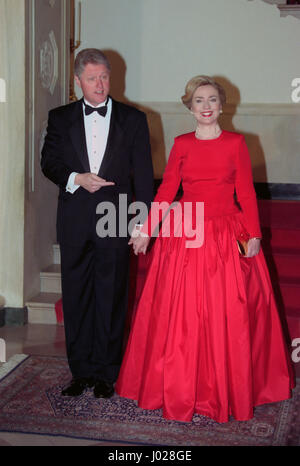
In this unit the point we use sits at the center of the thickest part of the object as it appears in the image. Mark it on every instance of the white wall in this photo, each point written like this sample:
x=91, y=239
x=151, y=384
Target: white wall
x=116, y=25
x=165, y=42
x=157, y=45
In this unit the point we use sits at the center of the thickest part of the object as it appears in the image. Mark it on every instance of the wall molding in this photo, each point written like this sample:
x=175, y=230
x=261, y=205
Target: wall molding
x=285, y=10
x=49, y=63
x=269, y=109
x=271, y=132
x=292, y=10
x=264, y=191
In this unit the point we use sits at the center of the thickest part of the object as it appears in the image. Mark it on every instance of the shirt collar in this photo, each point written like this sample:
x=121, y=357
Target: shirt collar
x=86, y=102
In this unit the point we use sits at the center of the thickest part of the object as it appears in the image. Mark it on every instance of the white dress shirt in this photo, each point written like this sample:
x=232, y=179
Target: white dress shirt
x=96, y=134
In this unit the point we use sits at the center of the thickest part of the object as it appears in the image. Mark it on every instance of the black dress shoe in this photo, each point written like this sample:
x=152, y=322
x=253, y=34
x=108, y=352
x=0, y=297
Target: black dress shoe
x=77, y=386
x=103, y=389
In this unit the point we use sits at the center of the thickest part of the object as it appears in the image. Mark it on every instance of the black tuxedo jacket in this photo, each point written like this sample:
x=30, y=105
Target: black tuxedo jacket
x=127, y=162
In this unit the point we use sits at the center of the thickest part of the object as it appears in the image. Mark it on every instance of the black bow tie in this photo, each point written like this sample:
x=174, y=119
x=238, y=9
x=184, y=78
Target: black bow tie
x=101, y=110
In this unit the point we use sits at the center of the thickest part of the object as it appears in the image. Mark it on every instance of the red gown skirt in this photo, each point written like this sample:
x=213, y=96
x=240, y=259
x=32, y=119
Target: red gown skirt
x=206, y=337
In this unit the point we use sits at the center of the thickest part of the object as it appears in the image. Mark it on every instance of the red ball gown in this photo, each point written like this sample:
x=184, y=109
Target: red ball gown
x=206, y=337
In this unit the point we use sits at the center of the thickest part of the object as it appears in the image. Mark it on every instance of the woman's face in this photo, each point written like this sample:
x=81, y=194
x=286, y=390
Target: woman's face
x=206, y=104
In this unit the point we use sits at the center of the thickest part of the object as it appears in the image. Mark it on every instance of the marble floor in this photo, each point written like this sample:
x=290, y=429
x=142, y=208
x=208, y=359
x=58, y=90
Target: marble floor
x=47, y=340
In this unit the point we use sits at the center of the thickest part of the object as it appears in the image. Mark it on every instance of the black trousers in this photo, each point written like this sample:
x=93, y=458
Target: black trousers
x=95, y=297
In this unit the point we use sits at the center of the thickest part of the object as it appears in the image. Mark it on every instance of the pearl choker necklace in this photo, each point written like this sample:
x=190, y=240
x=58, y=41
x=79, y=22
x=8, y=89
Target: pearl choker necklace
x=198, y=135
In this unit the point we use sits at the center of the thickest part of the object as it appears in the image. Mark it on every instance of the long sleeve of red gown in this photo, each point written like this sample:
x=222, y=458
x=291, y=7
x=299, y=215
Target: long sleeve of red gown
x=168, y=188
x=245, y=192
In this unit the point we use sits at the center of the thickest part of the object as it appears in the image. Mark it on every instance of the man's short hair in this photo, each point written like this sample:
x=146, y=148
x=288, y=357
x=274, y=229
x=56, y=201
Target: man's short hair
x=86, y=56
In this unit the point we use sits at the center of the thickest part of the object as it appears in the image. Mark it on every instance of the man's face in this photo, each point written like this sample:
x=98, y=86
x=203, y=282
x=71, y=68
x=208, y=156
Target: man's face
x=94, y=82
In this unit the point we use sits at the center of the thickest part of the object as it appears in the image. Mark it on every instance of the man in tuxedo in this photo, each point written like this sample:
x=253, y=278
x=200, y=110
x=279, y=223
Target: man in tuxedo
x=95, y=150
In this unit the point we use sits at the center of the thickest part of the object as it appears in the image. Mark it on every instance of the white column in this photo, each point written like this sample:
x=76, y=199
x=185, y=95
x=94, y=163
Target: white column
x=12, y=149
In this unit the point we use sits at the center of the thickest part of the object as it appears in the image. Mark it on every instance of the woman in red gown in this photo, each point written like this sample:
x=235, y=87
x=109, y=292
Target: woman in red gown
x=206, y=337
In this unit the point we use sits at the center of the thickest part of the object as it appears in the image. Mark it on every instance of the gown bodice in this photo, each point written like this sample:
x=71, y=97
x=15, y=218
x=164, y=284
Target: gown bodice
x=213, y=171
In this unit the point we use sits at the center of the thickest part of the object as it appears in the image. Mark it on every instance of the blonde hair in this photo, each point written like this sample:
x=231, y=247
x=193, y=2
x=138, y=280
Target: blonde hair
x=199, y=81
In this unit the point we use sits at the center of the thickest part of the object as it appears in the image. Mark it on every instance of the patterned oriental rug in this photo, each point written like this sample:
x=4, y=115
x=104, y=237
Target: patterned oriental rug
x=31, y=402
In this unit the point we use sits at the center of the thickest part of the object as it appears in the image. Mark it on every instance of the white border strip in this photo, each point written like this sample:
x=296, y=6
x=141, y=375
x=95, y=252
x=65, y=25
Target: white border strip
x=11, y=364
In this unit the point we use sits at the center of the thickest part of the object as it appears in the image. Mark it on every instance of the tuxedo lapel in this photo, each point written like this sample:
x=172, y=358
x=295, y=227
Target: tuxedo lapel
x=77, y=135
x=114, y=140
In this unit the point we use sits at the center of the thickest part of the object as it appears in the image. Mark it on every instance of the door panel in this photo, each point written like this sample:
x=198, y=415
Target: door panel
x=47, y=64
